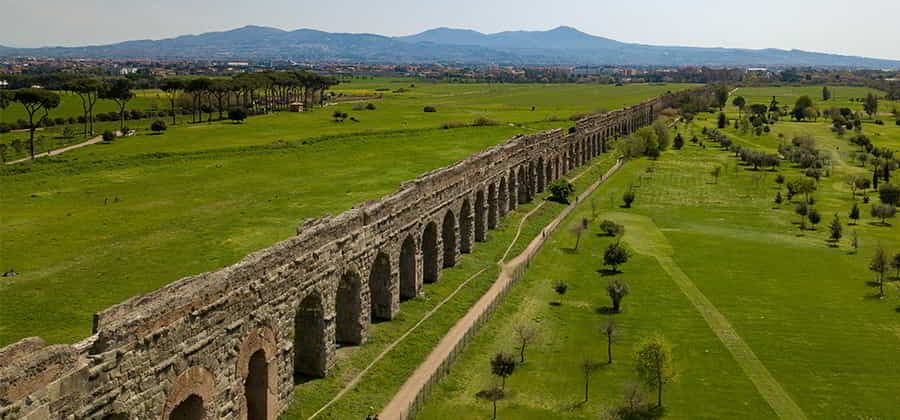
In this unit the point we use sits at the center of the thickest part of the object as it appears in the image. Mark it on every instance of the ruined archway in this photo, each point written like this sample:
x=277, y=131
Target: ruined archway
x=466, y=227
x=430, y=269
x=541, y=175
x=548, y=177
x=513, y=200
x=310, y=345
x=448, y=236
x=523, y=184
x=380, y=288
x=480, y=217
x=350, y=325
x=256, y=387
x=409, y=285
x=493, y=206
x=189, y=409
x=190, y=395
x=503, y=192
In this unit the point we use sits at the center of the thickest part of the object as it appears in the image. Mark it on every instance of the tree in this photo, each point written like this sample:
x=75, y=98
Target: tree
x=801, y=185
x=870, y=105
x=802, y=209
x=800, y=106
x=883, y=211
x=628, y=198
x=889, y=194
x=617, y=289
x=895, y=263
x=560, y=190
x=678, y=143
x=836, y=229
x=578, y=229
x=653, y=363
x=854, y=213
x=588, y=367
x=171, y=87
x=611, y=228
x=526, y=334
x=220, y=89
x=158, y=126
x=826, y=94
x=814, y=217
x=739, y=102
x=723, y=121
x=493, y=395
x=716, y=172
x=778, y=198
x=108, y=136
x=879, y=265
x=237, y=115
x=615, y=255
x=88, y=90
x=721, y=92
x=119, y=90
x=34, y=101
x=854, y=241
x=502, y=366
x=609, y=330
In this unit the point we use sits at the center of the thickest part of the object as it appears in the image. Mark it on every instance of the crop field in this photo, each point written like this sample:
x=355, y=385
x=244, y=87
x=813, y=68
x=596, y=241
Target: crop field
x=820, y=338
x=92, y=227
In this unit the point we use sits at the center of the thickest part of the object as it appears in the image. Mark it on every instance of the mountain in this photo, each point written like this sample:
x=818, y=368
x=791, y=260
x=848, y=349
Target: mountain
x=560, y=46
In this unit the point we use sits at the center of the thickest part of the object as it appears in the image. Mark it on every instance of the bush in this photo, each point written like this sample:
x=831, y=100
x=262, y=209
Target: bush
x=453, y=124
x=879, y=122
x=5, y=128
x=60, y=121
x=628, y=198
x=370, y=106
x=109, y=136
x=561, y=287
x=560, y=190
x=158, y=126
x=483, y=121
x=237, y=114
x=429, y=108
x=611, y=228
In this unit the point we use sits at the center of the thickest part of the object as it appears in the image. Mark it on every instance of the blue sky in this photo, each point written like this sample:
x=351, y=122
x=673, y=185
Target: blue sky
x=868, y=28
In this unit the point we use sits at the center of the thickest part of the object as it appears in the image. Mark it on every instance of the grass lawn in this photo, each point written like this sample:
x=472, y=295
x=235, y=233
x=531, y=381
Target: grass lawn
x=98, y=225
x=807, y=310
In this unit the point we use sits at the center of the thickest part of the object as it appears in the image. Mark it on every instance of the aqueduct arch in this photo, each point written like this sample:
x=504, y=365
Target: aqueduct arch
x=191, y=396
x=430, y=268
x=493, y=206
x=350, y=323
x=409, y=279
x=448, y=236
x=480, y=217
x=311, y=343
x=380, y=290
x=257, y=368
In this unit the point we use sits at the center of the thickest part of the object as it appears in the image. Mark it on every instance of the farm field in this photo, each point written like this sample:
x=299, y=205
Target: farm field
x=808, y=311
x=92, y=227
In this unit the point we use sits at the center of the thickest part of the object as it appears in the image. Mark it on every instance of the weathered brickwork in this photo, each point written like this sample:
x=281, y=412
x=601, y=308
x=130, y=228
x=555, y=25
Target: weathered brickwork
x=228, y=344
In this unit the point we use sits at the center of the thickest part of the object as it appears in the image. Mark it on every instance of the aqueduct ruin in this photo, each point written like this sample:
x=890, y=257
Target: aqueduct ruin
x=229, y=344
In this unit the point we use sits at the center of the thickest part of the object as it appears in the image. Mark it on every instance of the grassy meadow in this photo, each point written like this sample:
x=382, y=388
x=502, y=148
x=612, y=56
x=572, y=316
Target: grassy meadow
x=806, y=308
x=95, y=226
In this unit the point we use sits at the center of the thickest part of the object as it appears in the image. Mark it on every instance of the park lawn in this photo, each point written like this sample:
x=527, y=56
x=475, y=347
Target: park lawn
x=378, y=386
x=806, y=309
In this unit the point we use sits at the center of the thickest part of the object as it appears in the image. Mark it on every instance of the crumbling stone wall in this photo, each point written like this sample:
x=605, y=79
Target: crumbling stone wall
x=228, y=344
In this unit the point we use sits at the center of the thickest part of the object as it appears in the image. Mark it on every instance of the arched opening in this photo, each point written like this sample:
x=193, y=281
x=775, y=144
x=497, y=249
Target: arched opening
x=466, y=227
x=256, y=387
x=309, y=338
x=480, y=217
x=503, y=192
x=349, y=328
x=430, y=268
x=549, y=174
x=541, y=176
x=532, y=180
x=493, y=206
x=523, y=185
x=448, y=235
x=116, y=416
x=380, y=288
x=409, y=287
x=557, y=171
x=513, y=199
x=189, y=409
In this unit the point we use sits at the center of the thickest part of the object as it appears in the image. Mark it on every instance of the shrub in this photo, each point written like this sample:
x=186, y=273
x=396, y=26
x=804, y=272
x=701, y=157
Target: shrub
x=370, y=106
x=879, y=122
x=611, y=228
x=560, y=190
x=158, y=126
x=484, y=121
x=109, y=136
x=453, y=124
x=889, y=194
x=429, y=108
x=237, y=114
x=560, y=287
x=628, y=198
x=60, y=121
x=5, y=128
x=615, y=255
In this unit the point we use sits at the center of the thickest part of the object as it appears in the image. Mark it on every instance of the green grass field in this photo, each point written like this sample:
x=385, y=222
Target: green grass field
x=806, y=310
x=95, y=226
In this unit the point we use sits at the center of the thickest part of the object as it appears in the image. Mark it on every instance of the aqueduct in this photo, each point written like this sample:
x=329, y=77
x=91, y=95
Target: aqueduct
x=230, y=344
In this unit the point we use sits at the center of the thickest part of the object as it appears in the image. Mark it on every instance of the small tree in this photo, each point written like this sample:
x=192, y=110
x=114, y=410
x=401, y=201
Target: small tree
x=560, y=288
x=609, y=330
x=778, y=198
x=526, y=334
x=854, y=213
x=502, y=366
x=889, y=194
x=739, y=102
x=814, y=217
x=653, y=363
x=802, y=209
x=895, y=263
x=854, y=241
x=119, y=91
x=588, y=367
x=108, y=136
x=611, y=228
x=826, y=94
x=578, y=229
x=237, y=115
x=628, y=198
x=493, y=395
x=716, y=172
x=870, y=105
x=883, y=211
x=158, y=126
x=615, y=255
x=678, y=143
x=836, y=229
x=36, y=101
x=617, y=289
x=723, y=121
x=560, y=190
x=879, y=265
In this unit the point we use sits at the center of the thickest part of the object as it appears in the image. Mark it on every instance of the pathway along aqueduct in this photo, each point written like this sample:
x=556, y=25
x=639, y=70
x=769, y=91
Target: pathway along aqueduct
x=228, y=344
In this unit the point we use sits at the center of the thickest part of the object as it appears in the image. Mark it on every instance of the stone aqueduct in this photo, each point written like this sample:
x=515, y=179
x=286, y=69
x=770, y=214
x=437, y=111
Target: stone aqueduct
x=227, y=344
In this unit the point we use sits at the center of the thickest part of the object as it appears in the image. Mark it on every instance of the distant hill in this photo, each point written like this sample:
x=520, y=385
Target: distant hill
x=560, y=46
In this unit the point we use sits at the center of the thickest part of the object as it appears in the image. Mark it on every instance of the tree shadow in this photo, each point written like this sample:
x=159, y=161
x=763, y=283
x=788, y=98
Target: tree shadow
x=555, y=303
x=607, y=310
x=605, y=272
x=301, y=378
x=873, y=296
x=569, y=251
x=873, y=283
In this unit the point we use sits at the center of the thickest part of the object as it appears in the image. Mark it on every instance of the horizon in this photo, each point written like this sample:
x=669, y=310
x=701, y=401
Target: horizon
x=870, y=34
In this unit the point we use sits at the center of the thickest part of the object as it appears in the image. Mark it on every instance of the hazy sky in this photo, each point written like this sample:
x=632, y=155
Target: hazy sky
x=868, y=28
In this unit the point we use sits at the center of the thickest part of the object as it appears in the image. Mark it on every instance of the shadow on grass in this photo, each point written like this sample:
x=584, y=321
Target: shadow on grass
x=606, y=310
x=605, y=272
x=569, y=251
x=555, y=303
x=300, y=378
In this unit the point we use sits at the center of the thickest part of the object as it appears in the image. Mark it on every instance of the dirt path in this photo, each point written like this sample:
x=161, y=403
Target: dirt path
x=452, y=341
x=645, y=237
x=61, y=150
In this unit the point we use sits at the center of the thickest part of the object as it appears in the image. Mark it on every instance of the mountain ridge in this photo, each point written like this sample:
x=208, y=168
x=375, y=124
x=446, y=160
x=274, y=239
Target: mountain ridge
x=562, y=45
